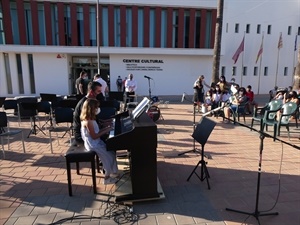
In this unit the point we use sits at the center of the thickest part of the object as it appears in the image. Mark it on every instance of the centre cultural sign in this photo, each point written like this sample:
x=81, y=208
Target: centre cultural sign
x=143, y=64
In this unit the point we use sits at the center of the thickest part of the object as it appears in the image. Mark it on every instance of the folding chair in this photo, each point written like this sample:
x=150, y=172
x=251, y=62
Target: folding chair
x=6, y=132
x=62, y=115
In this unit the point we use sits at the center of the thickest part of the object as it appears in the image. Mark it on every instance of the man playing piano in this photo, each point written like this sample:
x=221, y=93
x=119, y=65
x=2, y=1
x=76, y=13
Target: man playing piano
x=91, y=135
x=94, y=89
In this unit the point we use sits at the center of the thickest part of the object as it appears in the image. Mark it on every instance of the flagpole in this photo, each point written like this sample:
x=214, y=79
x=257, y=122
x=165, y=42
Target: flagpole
x=259, y=72
x=294, y=56
x=243, y=61
x=279, y=47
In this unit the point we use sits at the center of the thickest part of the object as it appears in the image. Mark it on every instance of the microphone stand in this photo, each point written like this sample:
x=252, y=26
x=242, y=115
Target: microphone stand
x=256, y=212
x=149, y=86
x=194, y=150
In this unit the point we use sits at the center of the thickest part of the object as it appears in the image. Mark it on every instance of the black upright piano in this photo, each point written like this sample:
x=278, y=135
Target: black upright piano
x=141, y=142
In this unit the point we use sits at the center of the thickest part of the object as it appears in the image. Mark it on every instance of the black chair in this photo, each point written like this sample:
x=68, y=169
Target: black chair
x=68, y=103
x=11, y=104
x=2, y=99
x=62, y=116
x=110, y=103
x=29, y=109
x=240, y=111
x=77, y=155
x=6, y=132
x=45, y=107
x=106, y=113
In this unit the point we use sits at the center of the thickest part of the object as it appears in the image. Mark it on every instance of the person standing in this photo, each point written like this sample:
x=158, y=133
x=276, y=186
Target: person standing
x=119, y=83
x=125, y=78
x=80, y=84
x=130, y=88
x=199, y=91
x=98, y=78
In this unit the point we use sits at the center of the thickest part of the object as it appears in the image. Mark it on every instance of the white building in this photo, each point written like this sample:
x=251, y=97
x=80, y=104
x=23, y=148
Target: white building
x=169, y=41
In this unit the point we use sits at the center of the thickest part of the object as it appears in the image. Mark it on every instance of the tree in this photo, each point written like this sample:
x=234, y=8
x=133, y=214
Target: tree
x=217, y=43
x=296, y=84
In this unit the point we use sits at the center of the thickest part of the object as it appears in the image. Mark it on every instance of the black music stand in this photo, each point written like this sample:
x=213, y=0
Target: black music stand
x=201, y=134
x=32, y=110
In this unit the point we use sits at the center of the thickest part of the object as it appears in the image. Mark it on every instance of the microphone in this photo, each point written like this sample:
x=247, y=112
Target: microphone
x=183, y=97
x=148, y=77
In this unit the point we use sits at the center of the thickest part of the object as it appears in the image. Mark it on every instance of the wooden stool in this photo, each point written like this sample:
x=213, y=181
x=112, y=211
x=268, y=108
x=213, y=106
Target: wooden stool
x=80, y=154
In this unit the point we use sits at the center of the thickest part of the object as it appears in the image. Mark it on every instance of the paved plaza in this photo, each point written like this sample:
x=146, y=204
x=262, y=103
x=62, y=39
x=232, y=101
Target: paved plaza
x=34, y=184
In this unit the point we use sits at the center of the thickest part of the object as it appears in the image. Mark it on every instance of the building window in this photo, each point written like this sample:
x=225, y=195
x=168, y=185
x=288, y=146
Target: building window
x=197, y=29
x=236, y=28
x=245, y=70
x=186, y=28
x=20, y=73
x=152, y=28
x=265, y=71
x=117, y=27
x=208, y=29
x=93, y=26
x=255, y=71
x=163, y=38
x=140, y=27
x=285, y=72
x=31, y=74
x=175, y=29
x=7, y=73
x=2, y=36
x=54, y=23
x=104, y=21
x=223, y=71
x=129, y=27
x=226, y=27
x=289, y=30
x=68, y=36
x=80, y=27
x=14, y=23
x=28, y=24
x=258, y=29
x=42, y=30
x=234, y=71
x=269, y=29
x=248, y=28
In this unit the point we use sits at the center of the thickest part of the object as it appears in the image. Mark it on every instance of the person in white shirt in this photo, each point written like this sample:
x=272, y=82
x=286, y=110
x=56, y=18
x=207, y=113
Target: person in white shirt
x=98, y=79
x=130, y=88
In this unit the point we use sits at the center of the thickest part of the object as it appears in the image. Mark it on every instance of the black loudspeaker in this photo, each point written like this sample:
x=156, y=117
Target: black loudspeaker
x=201, y=134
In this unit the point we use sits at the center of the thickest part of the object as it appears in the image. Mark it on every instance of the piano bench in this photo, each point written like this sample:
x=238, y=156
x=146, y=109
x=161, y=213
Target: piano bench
x=77, y=155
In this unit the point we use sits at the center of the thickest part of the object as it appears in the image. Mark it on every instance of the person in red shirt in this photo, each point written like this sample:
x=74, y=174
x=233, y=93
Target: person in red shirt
x=251, y=102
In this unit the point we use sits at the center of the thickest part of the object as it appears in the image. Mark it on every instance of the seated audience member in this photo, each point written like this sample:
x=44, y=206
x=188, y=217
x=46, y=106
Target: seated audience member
x=207, y=101
x=280, y=94
x=289, y=97
x=250, y=95
x=216, y=98
x=91, y=135
x=238, y=100
x=272, y=93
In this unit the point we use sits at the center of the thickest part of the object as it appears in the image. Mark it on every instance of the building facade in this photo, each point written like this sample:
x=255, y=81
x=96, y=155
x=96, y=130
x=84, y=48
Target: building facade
x=44, y=45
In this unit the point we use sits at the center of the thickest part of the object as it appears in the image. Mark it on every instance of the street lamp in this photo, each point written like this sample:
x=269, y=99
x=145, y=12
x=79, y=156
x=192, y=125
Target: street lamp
x=98, y=37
